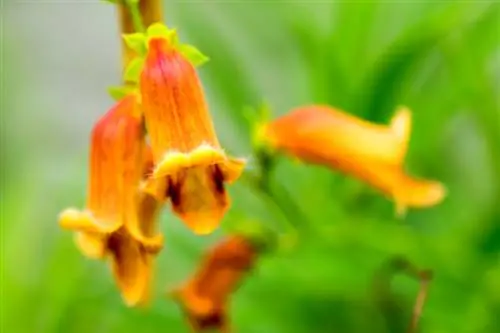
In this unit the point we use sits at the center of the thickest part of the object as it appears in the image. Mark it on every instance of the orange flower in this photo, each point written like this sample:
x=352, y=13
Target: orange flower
x=191, y=168
x=374, y=153
x=118, y=219
x=204, y=297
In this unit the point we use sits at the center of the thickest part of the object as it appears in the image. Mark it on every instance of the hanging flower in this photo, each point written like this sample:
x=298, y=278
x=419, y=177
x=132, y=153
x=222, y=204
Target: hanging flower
x=204, y=297
x=371, y=152
x=118, y=220
x=191, y=168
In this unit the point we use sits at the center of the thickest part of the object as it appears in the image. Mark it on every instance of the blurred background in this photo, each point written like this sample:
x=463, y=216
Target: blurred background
x=441, y=58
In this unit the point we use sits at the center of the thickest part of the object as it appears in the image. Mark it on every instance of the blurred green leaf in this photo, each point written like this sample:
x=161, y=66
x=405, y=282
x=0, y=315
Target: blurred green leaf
x=385, y=83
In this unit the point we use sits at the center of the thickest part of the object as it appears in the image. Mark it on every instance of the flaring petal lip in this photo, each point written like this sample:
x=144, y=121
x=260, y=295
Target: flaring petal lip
x=371, y=152
x=132, y=268
x=195, y=185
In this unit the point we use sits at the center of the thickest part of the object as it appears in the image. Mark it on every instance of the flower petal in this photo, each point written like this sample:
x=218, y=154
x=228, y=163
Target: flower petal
x=200, y=156
x=156, y=188
x=204, y=297
x=115, y=164
x=91, y=245
x=371, y=152
x=132, y=268
x=232, y=169
x=419, y=193
x=319, y=133
x=199, y=198
x=176, y=113
x=74, y=219
x=143, y=228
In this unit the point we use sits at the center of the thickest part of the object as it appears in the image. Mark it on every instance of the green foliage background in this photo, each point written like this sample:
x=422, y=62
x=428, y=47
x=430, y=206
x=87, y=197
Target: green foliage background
x=441, y=58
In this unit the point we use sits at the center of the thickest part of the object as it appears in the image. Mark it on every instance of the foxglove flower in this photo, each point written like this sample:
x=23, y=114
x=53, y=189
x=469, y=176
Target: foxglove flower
x=371, y=152
x=204, y=297
x=191, y=169
x=119, y=220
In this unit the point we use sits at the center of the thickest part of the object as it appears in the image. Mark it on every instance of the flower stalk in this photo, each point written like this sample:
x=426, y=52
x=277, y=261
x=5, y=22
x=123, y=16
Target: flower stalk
x=134, y=16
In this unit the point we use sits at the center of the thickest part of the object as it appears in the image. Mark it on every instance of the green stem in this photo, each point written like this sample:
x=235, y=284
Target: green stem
x=382, y=285
x=135, y=13
x=294, y=217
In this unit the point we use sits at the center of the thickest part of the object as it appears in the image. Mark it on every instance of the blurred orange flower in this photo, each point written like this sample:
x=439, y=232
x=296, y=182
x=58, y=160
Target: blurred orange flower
x=204, y=297
x=191, y=168
x=119, y=220
x=371, y=152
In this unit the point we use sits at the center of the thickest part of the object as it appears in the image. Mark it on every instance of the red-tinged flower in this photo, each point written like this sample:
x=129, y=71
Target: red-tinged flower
x=119, y=220
x=191, y=168
x=204, y=297
x=371, y=152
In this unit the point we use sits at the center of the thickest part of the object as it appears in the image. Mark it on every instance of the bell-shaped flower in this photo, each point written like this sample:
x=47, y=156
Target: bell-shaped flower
x=205, y=296
x=190, y=166
x=371, y=152
x=118, y=219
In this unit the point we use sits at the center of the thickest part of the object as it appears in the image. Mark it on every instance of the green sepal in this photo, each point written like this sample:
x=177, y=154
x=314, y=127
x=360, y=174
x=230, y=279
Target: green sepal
x=160, y=30
x=136, y=42
x=133, y=70
x=190, y=52
x=193, y=54
x=119, y=92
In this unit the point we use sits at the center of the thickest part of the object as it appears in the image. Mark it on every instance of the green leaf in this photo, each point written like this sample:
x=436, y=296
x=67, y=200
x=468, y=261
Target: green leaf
x=193, y=54
x=133, y=70
x=386, y=81
x=137, y=42
x=114, y=2
x=119, y=92
x=250, y=114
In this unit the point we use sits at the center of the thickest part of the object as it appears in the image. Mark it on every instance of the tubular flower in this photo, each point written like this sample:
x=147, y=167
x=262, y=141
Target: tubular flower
x=204, y=297
x=371, y=152
x=190, y=166
x=118, y=220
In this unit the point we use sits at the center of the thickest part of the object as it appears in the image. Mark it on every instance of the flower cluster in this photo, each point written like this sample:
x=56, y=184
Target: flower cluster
x=130, y=181
x=157, y=145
